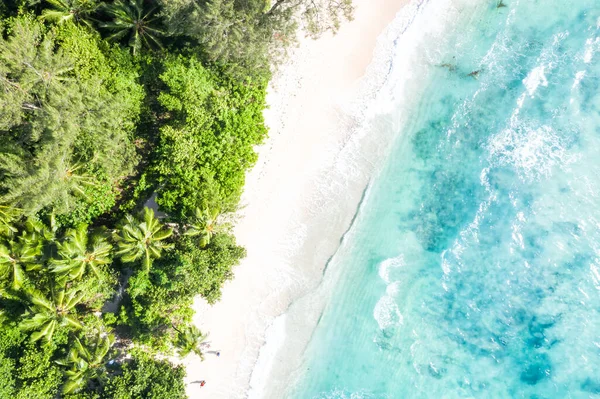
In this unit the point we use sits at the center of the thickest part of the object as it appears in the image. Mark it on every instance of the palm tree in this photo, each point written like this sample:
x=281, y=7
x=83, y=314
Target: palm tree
x=74, y=177
x=86, y=362
x=61, y=11
x=142, y=239
x=131, y=20
x=80, y=252
x=203, y=225
x=45, y=315
x=189, y=339
x=19, y=255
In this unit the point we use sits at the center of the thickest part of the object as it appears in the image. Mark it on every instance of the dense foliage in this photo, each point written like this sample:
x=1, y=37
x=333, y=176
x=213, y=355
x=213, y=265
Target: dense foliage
x=144, y=377
x=166, y=293
x=66, y=122
x=103, y=103
x=206, y=144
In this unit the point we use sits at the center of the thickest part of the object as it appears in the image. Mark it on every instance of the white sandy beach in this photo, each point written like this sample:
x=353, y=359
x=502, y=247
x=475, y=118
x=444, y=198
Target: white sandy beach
x=305, y=133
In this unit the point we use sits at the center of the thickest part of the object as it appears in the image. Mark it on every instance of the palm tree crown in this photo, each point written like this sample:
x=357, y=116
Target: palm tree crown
x=61, y=11
x=45, y=315
x=133, y=21
x=189, y=339
x=80, y=252
x=142, y=239
x=19, y=255
x=204, y=225
x=86, y=362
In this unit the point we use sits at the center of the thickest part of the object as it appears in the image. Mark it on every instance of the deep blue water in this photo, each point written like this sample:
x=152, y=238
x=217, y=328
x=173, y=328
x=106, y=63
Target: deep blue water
x=473, y=268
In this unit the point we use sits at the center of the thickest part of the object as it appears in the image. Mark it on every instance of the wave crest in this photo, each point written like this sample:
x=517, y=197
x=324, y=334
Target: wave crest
x=533, y=152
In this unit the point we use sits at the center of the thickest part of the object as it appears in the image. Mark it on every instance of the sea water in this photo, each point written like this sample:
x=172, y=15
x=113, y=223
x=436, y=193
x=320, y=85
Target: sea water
x=472, y=269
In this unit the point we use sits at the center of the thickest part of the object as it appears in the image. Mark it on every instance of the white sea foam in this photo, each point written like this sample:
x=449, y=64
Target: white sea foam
x=595, y=274
x=275, y=335
x=591, y=46
x=578, y=78
x=538, y=76
x=387, y=313
x=341, y=394
x=535, y=78
x=393, y=289
x=398, y=61
x=517, y=236
x=387, y=266
x=533, y=152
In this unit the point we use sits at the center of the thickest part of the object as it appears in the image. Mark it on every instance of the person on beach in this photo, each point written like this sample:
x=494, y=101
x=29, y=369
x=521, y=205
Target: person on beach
x=218, y=354
x=202, y=383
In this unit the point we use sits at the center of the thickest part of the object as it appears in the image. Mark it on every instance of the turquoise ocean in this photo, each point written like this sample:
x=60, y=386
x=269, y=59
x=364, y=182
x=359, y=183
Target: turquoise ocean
x=472, y=269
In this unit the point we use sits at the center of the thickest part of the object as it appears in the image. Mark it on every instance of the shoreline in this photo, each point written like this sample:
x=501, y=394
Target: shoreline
x=285, y=193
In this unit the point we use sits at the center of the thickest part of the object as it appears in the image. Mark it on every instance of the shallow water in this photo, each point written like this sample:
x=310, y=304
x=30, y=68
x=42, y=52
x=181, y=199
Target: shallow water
x=473, y=267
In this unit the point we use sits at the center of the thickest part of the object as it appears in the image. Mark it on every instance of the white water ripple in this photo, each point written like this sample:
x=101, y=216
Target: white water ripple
x=533, y=152
x=386, y=311
x=387, y=267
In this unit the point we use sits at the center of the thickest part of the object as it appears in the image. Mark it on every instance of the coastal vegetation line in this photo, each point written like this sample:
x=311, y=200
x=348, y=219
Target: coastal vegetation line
x=102, y=105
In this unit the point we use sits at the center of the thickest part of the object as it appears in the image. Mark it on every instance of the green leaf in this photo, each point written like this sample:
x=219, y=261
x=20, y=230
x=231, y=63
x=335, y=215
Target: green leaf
x=71, y=321
x=72, y=386
x=18, y=277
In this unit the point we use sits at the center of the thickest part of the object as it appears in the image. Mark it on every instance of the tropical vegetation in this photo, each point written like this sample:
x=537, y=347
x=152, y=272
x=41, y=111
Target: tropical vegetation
x=104, y=104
